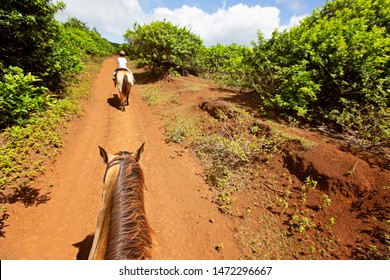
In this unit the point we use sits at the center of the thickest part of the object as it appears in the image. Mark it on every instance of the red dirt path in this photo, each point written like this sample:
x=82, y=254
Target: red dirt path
x=178, y=201
x=187, y=225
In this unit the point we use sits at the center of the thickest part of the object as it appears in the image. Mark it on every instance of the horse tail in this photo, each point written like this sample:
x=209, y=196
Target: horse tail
x=125, y=81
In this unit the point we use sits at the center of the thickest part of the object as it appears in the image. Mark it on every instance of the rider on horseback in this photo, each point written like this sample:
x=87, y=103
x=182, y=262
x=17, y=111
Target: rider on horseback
x=122, y=64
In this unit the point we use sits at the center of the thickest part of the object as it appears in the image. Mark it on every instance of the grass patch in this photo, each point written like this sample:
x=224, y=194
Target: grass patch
x=280, y=131
x=178, y=130
x=261, y=239
x=193, y=86
x=154, y=96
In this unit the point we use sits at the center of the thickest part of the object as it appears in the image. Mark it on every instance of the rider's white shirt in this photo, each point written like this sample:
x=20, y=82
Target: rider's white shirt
x=122, y=62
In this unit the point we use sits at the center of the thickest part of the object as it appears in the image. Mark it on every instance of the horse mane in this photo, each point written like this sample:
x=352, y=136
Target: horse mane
x=129, y=231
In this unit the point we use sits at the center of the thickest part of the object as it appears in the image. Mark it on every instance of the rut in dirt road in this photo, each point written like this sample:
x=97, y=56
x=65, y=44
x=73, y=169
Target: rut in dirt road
x=63, y=227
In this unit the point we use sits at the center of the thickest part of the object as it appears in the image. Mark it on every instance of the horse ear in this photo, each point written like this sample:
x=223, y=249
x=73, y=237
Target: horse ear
x=103, y=154
x=138, y=153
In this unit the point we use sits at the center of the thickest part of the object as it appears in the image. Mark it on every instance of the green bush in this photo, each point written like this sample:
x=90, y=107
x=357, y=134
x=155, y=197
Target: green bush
x=19, y=97
x=77, y=36
x=333, y=67
x=225, y=65
x=39, y=55
x=164, y=47
x=337, y=58
x=29, y=36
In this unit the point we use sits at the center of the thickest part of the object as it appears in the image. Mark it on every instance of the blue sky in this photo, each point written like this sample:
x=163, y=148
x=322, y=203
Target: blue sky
x=288, y=8
x=216, y=21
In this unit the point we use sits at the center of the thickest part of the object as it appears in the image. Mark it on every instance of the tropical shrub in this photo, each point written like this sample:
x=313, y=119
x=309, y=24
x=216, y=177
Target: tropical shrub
x=279, y=73
x=19, y=97
x=225, y=64
x=164, y=47
x=334, y=65
x=77, y=36
x=40, y=55
x=29, y=36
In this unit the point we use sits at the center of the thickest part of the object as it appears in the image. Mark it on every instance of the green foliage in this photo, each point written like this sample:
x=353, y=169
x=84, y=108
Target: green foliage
x=19, y=97
x=180, y=129
x=153, y=96
x=300, y=222
x=25, y=149
x=224, y=153
x=29, y=34
x=80, y=38
x=369, y=124
x=233, y=150
x=38, y=55
x=280, y=75
x=310, y=183
x=224, y=201
x=326, y=200
x=164, y=47
x=225, y=64
x=335, y=65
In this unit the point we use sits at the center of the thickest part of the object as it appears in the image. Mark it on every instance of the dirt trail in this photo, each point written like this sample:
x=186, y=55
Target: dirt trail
x=176, y=201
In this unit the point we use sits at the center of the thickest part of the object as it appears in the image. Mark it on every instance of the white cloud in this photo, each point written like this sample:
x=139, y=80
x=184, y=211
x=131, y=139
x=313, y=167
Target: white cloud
x=236, y=24
x=111, y=18
x=294, y=21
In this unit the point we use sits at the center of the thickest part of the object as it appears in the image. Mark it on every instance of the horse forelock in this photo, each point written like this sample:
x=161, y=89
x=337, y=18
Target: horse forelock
x=129, y=232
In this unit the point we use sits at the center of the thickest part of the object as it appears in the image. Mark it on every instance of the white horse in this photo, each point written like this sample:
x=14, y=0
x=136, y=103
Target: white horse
x=124, y=81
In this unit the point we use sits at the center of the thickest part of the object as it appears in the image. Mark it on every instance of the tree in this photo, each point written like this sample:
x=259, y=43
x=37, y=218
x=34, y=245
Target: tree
x=29, y=34
x=39, y=56
x=77, y=36
x=164, y=47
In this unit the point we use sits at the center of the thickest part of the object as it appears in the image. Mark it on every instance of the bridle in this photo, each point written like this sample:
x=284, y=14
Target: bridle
x=116, y=160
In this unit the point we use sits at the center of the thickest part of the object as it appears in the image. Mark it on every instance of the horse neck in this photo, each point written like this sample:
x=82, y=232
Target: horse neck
x=129, y=235
x=99, y=245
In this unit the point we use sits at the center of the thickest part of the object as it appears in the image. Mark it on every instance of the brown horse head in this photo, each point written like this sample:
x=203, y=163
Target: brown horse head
x=122, y=231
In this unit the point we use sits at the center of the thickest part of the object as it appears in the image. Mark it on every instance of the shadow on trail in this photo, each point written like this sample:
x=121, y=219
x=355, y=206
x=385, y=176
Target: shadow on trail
x=3, y=218
x=147, y=77
x=246, y=99
x=114, y=101
x=29, y=196
x=84, y=247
